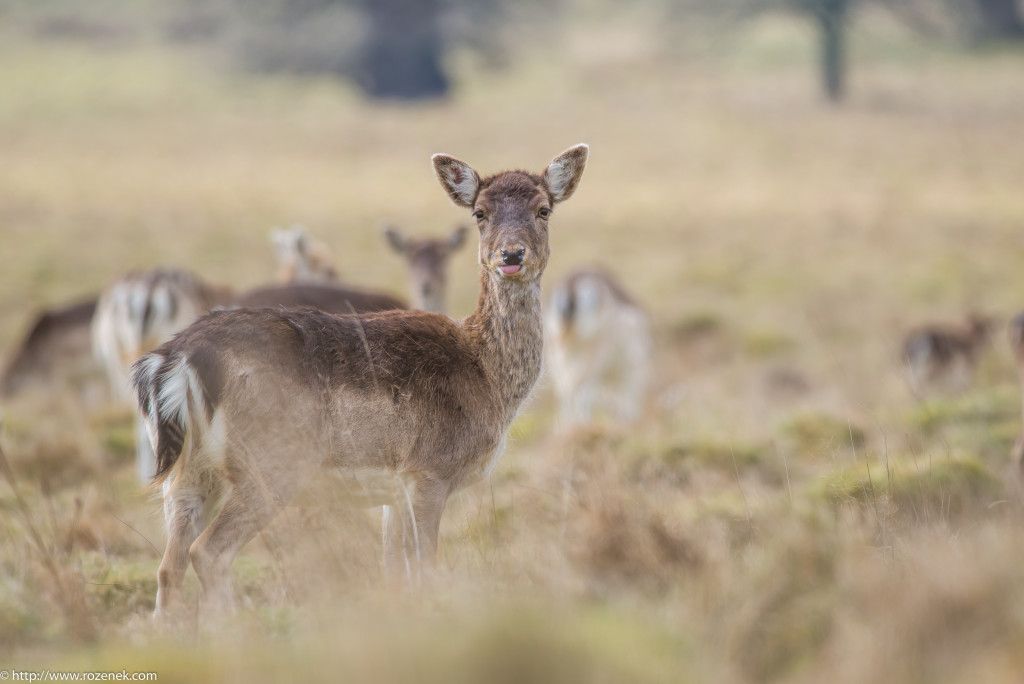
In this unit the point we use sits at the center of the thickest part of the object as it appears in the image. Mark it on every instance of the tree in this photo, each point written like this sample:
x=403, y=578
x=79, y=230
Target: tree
x=402, y=53
x=831, y=17
x=999, y=19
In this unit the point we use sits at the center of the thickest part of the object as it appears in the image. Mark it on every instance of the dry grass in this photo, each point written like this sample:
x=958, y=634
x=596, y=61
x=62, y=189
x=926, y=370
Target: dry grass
x=786, y=510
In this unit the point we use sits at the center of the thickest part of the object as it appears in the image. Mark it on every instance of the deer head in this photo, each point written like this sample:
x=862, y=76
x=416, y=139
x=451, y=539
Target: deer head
x=512, y=210
x=428, y=264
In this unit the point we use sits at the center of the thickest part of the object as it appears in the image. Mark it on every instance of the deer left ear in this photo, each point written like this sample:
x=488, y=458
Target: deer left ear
x=564, y=172
x=458, y=179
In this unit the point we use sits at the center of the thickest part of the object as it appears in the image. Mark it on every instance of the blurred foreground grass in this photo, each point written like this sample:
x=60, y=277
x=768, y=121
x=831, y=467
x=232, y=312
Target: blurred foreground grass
x=787, y=510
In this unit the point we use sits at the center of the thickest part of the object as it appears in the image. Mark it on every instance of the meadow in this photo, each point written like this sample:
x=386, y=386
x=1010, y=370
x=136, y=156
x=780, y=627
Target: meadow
x=786, y=510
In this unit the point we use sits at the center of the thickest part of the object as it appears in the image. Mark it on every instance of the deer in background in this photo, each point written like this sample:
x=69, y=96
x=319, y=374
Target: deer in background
x=943, y=353
x=428, y=265
x=598, y=348
x=246, y=406
x=300, y=257
x=140, y=311
x=143, y=309
x=56, y=353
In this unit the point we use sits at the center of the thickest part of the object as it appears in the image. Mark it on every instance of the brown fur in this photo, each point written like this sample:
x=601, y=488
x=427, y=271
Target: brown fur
x=329, y=298
x=58, y=341
x=249, y=404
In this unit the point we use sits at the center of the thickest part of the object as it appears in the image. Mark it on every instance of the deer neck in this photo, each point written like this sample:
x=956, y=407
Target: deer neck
x=507, y=331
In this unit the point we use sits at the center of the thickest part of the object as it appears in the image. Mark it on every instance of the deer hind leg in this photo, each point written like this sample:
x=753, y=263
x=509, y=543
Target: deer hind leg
x=411, y=527
x=187, y=508
x=250, y=505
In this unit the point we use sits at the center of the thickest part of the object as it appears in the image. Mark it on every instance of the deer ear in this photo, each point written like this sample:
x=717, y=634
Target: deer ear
x=458, y=179
x=564, y=172
x=456, y=239
x=394, y=238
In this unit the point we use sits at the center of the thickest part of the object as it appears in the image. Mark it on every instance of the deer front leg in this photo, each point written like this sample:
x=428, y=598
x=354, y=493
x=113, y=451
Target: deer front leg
x=410, y=528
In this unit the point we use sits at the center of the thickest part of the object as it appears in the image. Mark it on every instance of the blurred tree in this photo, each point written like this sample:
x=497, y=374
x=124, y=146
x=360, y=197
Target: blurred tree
x=830, y=16
x=999, y=19
x=402, y=52
x=392, y=49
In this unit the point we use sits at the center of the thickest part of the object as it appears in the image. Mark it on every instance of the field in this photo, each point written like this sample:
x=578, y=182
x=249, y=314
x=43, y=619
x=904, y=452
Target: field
x=786, y=510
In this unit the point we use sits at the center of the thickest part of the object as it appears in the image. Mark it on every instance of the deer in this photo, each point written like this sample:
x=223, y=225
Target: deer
x=943, y=352
x=598, y=348
x=56, y=351
x=245, y=407
x=427, y=260
x=138, y=312
x=144, y=309
x=300, y=257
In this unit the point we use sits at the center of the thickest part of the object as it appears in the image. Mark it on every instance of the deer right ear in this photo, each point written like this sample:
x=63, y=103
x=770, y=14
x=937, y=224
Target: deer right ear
x=564, y=173
x=394, y=238
x=458, y=179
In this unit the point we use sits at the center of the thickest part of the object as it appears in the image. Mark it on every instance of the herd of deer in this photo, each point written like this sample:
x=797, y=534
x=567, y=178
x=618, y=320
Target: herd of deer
x=243, y=398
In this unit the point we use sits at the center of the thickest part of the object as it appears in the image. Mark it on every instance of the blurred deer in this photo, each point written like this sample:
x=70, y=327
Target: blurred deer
x=598, y=348
x=428, y=265
x=140, y=311
x=249, y=407
x=1017, y=346
x=940, y=353
x=143, y=309
x=300, y=257
x=56, y=354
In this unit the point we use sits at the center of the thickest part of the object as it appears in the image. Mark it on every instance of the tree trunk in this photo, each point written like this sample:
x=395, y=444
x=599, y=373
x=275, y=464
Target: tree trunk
x=999, y=19
x=402, y=55
x=832, y=15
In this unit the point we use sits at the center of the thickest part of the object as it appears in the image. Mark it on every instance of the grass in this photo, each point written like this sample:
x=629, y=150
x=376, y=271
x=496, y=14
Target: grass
x=786, y=510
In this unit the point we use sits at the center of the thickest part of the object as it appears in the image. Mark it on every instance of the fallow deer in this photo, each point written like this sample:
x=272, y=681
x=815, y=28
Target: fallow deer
x=300, y=257
x=940, y=353
x=144, y=309
x=598, y=348
x=140, y=311
x=247, y=405
x=428, y=265
x=1017, y=346
x=56, y=353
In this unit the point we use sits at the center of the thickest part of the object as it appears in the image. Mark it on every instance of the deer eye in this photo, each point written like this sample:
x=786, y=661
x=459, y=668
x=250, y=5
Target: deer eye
x=544, y=212
x=478, y=214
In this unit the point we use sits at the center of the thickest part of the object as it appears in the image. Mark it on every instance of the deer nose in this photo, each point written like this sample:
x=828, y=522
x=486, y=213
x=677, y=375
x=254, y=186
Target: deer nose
x=512, y=257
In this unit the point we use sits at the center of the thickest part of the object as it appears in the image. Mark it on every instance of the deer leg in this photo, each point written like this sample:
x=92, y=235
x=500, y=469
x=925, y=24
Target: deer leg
x=411, y=527
x=187, y=507
x=243, y=515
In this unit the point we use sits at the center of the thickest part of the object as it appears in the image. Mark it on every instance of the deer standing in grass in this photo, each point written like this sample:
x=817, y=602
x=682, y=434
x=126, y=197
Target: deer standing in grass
x=300, y=257
x=138, y=312
x=598, y=348
x=56, y=353
x=247, y=405
x=143, y=309
x=945, y=353
x=428, y=265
